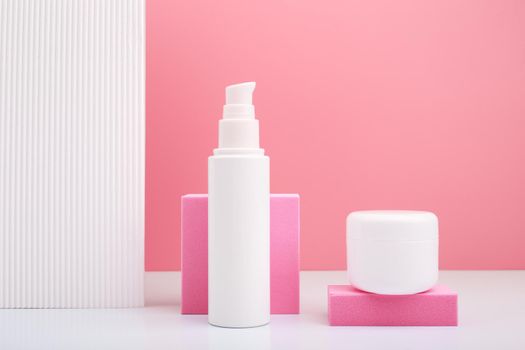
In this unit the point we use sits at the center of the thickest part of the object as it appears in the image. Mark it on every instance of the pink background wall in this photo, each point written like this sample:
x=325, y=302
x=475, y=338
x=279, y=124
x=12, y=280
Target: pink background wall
x=363, y=105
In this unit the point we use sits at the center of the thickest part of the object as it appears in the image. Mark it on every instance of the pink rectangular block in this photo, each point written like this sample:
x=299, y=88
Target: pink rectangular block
x=348, y=306
x=284, y=254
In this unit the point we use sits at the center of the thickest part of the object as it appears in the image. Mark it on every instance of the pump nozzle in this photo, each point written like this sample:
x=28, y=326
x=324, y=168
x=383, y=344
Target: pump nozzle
x=239, y=101
x=240, y=94
x=238, y=127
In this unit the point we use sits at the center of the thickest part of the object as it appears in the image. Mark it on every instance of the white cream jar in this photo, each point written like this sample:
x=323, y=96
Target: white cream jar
x=392, y=252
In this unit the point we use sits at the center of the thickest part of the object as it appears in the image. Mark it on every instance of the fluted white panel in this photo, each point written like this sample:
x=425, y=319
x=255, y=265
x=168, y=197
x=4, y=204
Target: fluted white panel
x=71, y=153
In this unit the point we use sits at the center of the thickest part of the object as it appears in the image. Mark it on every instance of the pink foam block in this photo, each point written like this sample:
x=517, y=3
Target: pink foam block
x=284, y=254
x=348, y=306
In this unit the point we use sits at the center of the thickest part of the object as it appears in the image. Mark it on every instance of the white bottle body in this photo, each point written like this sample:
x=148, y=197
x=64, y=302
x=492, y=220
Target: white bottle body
x=239, y=239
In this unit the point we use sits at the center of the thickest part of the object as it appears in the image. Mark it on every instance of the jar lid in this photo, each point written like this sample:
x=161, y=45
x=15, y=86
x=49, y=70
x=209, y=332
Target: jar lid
x=392, y=225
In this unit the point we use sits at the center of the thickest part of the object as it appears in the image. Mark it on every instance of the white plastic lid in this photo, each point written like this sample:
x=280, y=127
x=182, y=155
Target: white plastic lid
x=392, y=225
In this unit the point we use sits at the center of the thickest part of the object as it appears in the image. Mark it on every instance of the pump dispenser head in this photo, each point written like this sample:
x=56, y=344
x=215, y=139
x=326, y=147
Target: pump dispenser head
x=238, y=128
x=239, y=101
x=240, y=94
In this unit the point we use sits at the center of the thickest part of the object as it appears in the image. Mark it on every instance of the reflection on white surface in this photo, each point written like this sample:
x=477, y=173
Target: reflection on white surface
x=492, y=315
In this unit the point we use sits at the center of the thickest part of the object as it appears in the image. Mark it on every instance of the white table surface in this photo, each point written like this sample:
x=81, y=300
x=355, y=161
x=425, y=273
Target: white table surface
x=491, y=316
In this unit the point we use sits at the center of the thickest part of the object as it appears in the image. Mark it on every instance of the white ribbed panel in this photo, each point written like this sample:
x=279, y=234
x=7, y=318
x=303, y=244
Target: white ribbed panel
x=71, y=153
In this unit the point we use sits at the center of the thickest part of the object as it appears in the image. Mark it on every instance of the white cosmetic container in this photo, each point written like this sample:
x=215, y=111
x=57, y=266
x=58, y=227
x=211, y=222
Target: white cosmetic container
x=239, y=218
x=392, y=252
